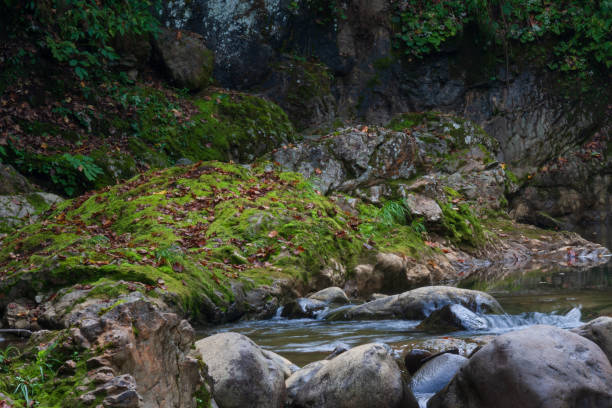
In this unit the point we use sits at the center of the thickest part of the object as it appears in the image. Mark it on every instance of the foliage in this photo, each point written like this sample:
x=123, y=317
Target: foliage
x=81, y=33
x=70, y=173
x=580, y=28
x=393, y=212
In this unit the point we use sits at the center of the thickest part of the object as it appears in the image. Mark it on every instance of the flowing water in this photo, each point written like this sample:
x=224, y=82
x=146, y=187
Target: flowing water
x=563, y=298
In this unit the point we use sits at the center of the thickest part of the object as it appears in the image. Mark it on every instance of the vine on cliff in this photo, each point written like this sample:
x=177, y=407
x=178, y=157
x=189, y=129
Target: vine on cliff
x=580, y=28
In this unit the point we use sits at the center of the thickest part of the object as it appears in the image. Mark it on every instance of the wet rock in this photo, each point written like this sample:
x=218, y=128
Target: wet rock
x=425, y=207
x=186, y=59
x=331, y=295
x=339, y=349
x=599, y=331
x=303, y=308
x=452, y=318
x=413, y=359
x=363, y=377
x=243, y=376
x=436, y=373
x=419, y=303
x=541, y=366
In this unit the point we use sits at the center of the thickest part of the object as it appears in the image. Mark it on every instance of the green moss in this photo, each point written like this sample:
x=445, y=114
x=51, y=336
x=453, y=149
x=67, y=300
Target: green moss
x=462, y=225
x=191, y=232
x=111, y=307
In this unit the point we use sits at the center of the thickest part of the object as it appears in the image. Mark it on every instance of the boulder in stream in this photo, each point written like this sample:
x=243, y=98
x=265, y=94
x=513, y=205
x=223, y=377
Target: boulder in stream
x=419, y=303
x=243, y=375
x=366, y=376
x=302, y=308
x=542, y=366
x=452, y=318
x=599, y=331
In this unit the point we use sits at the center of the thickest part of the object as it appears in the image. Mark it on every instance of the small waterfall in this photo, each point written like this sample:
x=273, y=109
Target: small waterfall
x=503, y=323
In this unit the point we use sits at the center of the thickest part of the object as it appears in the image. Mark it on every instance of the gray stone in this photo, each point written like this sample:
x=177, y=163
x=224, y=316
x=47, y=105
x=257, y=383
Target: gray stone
x=419, y=303
x=436, y=373
x=542, y=366
x=599, y=331
x=425, y=207
x=366, y=376
x=243, y=376
x=185, y=58
x=331, y=295
x=286, y=366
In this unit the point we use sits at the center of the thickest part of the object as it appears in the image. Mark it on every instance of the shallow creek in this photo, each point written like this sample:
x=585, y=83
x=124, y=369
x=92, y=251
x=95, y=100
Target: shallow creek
x=563, y=298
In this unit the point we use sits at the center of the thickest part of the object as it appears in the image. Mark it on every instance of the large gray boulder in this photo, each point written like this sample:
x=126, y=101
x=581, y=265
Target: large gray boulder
x=366, y=376
x=599, y=331
x=542, y=366
x=185, y=58
x=243, y=376
x=419, y=303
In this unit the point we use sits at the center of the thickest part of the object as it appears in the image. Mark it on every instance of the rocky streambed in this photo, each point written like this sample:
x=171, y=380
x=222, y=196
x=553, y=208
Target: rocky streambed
x=450, y=347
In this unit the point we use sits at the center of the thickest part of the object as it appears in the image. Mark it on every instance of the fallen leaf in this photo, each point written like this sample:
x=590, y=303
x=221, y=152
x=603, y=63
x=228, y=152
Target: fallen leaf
x=273, y=234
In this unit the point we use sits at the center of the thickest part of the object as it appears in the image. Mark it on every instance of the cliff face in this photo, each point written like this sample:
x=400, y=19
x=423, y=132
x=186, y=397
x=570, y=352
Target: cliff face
x=538, y=117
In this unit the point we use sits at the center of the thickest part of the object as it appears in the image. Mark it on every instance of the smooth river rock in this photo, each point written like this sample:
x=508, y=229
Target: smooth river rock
x=243, y=375
x=436, y=373
x=366, y=376
x=452, y=318
x=419, y=303
x=538, y=367
x=599, y=331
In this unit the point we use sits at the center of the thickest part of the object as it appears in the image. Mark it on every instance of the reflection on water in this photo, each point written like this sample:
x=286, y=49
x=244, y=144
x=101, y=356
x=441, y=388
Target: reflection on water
x=563, y=298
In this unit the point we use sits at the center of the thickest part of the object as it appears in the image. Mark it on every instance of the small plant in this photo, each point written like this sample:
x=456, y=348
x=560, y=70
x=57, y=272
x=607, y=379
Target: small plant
x=418, y=226
x=393, y=212
x=84, y=164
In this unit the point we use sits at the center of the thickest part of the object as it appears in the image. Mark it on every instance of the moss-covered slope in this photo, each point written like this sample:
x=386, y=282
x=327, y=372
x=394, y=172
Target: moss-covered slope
x=191, y=233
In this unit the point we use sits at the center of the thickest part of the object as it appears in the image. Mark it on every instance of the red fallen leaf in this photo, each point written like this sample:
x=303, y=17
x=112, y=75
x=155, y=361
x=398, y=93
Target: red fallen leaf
x=273, y=234
x=431, y=244
x=177, y=267
x=318, y=170
x=298, y=250
x=455, y=200
x=309, y=206
x=216, y=279
x=446, y=251
x=461, y=260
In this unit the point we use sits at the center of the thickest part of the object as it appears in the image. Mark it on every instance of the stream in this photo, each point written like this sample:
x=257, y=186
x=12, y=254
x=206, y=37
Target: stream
x=564, y=298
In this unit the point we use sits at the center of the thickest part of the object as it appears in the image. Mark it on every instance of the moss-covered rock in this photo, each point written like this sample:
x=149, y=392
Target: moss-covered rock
x=192, y=235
